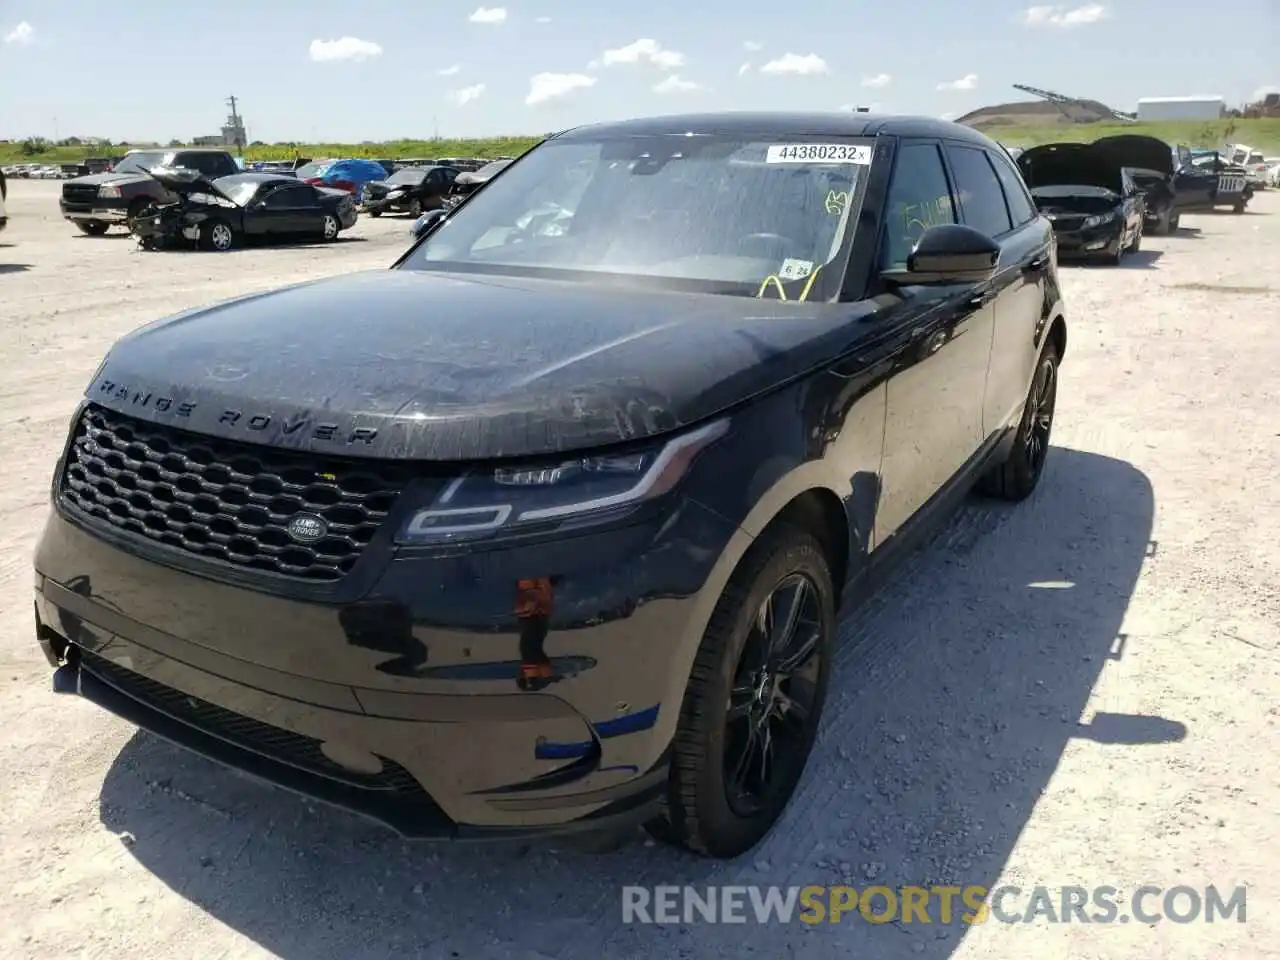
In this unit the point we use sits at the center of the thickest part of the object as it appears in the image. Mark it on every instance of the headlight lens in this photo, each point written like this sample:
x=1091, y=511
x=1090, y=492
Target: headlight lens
x=108, y=192
x=1097, y=219
x=394, y=194
x=510, y=500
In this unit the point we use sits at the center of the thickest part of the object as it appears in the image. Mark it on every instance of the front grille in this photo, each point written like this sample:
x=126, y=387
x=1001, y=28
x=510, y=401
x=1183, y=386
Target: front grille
x=1067, y=221
x=79, y=192
x=223, y=500
x=275, y=743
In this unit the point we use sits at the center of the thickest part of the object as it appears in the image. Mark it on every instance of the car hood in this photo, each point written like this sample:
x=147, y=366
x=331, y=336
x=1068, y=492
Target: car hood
x=1070, y=164
x=183, y=181
x=408, y=364
x=1138, y=152
x=98, y=179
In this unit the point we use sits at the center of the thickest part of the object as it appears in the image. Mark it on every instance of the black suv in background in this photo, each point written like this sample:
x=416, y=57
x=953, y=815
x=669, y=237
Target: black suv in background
x=96, y=202
x=546, y=527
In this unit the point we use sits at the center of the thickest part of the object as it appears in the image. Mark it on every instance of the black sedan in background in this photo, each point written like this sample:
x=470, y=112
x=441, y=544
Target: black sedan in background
x=1096, y=208
x=224, y=213
x=412, y=190
x=547, y=527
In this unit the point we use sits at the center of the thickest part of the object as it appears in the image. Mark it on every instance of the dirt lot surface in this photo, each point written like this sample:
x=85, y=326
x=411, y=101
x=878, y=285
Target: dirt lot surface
x=1082, y=690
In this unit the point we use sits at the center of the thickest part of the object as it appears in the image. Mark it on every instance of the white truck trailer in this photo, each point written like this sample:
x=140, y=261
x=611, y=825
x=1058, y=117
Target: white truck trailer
x=1180, y=108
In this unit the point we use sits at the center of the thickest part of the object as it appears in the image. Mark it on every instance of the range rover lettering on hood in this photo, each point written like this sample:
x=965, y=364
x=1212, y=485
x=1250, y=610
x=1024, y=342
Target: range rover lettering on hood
x=125, y=397
x=403, y=364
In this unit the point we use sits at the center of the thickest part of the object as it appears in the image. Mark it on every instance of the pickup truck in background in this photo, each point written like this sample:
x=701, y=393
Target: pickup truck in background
x=99, y=201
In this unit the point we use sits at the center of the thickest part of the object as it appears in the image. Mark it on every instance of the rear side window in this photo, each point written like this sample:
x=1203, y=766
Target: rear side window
x=981, y=197
x=210, y=164
x=1015, y=191
x=919, y=198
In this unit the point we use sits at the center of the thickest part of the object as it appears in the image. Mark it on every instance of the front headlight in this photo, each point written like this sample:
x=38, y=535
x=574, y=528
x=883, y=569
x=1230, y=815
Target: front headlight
x=1097, y=220
x=108, y=192
x=395, y=194
x=541, y=497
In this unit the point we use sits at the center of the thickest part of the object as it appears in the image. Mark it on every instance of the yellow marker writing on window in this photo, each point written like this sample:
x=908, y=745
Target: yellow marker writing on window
x=836, y=201
x=782, y=294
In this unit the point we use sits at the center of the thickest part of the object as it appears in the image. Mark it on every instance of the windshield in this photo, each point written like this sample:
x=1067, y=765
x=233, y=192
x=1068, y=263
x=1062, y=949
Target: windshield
x=409, y=176
x=492, y=169
x=238, y=189
x=309, y=170
x=715, y=214
x=140, y=162
x=1071, y=190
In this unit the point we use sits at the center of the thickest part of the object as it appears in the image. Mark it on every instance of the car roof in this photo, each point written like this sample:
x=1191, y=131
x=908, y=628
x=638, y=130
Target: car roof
x=780, y=124
x=258, y=177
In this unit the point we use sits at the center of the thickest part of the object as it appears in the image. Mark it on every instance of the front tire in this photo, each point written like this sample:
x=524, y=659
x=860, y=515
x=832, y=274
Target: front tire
x=754, y=699
x=136, y=210
x=1136, y=244
x=92, y=228
x=217, y=235
x=1018, y=474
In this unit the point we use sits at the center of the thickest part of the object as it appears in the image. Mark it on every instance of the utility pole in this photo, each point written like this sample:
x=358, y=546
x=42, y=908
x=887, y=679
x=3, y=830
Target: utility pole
x=237, y=126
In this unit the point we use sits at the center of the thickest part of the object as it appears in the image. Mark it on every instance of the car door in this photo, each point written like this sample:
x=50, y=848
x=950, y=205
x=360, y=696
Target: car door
x=293, y=209
x=933, y=417
x=1022, y=308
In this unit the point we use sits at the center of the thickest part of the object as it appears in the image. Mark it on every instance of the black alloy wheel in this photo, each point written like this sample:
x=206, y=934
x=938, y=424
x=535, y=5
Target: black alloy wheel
x=754, y=698
x=1016, y=476
x=773, y=695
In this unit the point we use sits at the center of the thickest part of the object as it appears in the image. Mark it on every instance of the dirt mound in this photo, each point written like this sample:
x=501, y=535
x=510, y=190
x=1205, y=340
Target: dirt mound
x=1036, y=112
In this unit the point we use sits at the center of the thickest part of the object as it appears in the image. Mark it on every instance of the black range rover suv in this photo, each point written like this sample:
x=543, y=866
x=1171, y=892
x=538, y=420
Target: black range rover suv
x=547, y=527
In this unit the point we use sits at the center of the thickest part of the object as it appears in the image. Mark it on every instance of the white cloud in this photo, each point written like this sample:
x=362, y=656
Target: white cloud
x=450, y=71
x=879, y=80
x=23, y=34
x=745, y=68
x=675, y=84
x=751, y=46
x=466, y=94
x=968, y=82
x=489, y=15
x=541, y=19
x=794, y=63
x=644, y=51
x=1053, y=16
x=949, y=115
x=344, y=48
x=544, y=87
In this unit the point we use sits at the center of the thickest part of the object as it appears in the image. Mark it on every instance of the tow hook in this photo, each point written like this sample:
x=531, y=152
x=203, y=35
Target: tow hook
x=66, y=679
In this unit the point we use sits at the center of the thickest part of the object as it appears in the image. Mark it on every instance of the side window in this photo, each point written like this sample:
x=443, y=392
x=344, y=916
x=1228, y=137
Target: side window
x=288, y=197
x=206, y=163
x=981, y=198
x=1021, y=207
x=919, y=198
x=435, y=179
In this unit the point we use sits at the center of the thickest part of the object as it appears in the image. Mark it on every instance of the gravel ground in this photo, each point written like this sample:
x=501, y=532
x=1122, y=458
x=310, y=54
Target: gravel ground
x=1078, y=690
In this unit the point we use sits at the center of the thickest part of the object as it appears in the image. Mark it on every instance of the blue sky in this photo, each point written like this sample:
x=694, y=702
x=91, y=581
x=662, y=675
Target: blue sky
x=347, y=71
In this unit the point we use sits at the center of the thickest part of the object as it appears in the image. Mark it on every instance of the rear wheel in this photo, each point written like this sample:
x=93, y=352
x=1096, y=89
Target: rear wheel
x=92, y=228
x=217, y=235
x=754, y=699
x=375, y=213
x=1238, y=207
x=330, y=227
x=415, y=208
x=1017, y=475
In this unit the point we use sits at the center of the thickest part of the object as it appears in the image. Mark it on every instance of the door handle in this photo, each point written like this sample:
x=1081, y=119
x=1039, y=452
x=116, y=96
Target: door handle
x=1037, y=263
x=979, y=300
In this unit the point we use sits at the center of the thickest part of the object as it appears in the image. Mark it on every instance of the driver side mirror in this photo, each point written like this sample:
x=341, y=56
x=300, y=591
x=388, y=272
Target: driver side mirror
x=948, y=253
x=427, y=222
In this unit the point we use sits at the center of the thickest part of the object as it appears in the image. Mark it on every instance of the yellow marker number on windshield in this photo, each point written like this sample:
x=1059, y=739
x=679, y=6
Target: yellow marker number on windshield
x=773, y=280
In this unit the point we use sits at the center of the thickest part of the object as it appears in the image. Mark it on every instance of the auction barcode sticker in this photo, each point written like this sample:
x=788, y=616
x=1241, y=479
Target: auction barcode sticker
x=818, y=153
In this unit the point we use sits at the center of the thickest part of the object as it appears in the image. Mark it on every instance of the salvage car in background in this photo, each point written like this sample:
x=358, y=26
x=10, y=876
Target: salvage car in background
x=1231, y=186
x=468, y=182
x=1096, y=208
x=643, y=458
x=4, y=195
x=99, y=201
x=349, y=175
x=411, y=190
x=221, y=214
x=1151, y=163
